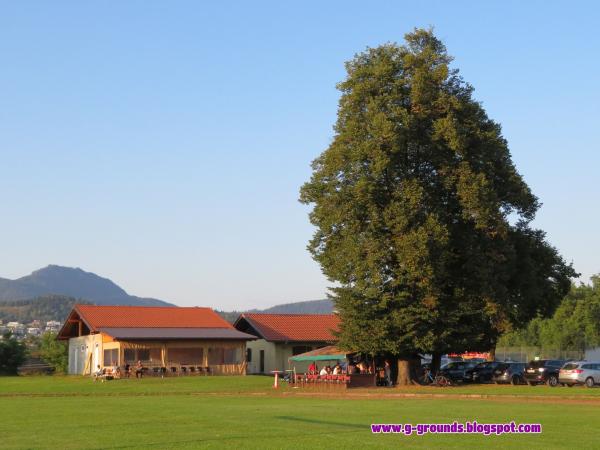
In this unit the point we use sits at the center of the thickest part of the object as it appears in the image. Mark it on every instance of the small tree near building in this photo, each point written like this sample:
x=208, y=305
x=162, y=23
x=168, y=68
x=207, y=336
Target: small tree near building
x=54, y=352
x=12, y=355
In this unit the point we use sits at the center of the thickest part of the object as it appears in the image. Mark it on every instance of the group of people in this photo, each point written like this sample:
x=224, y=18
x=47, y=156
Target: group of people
x=115, y=371
x=340, y=369
x=352, y=368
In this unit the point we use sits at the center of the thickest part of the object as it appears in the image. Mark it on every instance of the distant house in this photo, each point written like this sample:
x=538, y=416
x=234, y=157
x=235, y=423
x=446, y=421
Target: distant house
x=16, y=328
x=281, y=336
x=168, y=337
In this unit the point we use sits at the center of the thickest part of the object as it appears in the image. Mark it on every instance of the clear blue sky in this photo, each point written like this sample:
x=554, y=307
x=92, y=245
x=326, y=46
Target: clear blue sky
x=162, y=144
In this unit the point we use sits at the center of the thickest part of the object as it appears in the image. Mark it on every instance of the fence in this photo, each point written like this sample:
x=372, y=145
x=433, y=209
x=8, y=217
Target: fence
x=525, y=354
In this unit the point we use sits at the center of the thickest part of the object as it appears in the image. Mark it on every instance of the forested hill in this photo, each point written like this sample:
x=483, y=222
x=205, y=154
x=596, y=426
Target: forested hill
x=51, y=307
x=307, y=307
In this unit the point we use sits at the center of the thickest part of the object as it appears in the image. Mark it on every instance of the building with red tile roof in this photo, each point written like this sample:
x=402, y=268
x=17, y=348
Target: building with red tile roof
x=281, y=336
x=165, y=339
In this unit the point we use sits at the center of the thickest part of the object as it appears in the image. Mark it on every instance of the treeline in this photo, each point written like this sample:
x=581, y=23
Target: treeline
x=574, y=326
x=307, y=307
x=44, y=308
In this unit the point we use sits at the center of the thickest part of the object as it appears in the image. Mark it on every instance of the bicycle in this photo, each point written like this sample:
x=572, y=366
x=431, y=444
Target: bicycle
x=439, y=380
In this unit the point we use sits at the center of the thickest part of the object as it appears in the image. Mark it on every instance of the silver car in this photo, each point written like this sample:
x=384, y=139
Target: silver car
x=580, y=372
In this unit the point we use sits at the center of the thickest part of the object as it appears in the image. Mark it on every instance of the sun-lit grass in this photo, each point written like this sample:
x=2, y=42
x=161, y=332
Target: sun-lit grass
x=245, y=412
x=147, y=385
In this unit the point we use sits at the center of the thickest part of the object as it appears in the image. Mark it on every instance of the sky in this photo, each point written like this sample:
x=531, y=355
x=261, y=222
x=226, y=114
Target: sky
x=162, y=144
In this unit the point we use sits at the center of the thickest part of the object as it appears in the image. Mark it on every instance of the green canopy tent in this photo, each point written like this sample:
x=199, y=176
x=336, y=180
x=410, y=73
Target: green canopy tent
x=333, y=353
x=330, y=353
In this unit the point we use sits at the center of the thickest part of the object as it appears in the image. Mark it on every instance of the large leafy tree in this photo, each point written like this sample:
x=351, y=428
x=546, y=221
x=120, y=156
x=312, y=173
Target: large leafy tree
x=422, y=218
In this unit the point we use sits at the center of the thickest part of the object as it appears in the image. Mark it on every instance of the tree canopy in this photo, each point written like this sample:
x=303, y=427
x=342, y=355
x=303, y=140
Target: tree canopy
x=575, y=325
x=12, y=354
x=422, y=219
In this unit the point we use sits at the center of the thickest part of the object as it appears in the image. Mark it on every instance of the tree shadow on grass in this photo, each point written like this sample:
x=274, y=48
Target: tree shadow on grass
x=362, y=426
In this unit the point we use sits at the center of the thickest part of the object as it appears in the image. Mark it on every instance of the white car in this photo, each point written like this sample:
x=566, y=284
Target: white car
x=580, y=372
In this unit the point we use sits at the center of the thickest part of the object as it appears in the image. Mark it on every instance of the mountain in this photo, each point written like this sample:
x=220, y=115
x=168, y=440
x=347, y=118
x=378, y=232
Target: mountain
x=71, y=282
x=307, y=307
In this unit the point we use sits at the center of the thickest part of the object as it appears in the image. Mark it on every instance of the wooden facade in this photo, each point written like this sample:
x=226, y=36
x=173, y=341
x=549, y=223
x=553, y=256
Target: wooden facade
x=172, y=353
x=167, y=340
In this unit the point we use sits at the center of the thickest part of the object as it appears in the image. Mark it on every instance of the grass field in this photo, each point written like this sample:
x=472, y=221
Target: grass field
x=244, y=412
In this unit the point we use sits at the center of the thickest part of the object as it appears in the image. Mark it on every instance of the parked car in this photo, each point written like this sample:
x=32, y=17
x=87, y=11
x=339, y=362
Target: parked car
x=543, y=371
x=580, y=372
x=509, y=372
x=476, y=360
x=456, y=370
x=482, y=372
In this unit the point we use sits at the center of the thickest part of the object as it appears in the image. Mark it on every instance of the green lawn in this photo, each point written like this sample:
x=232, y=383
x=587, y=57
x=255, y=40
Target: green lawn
x=244, y=412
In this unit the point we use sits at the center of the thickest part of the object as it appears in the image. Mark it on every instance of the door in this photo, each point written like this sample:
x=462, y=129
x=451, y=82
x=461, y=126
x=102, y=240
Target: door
x=262, y=361
x=75, y=362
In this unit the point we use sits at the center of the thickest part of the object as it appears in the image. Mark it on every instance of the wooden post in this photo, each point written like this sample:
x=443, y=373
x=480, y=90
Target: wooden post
x=80, y=328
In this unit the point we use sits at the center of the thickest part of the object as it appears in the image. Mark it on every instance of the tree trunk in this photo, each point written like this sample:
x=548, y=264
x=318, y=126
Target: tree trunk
x=492, y=354
x=408, y=369
x=436, y=362
x=403, y=372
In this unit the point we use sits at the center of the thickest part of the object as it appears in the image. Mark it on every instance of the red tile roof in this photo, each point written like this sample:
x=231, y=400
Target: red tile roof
x=293, y=327
x=96, y=317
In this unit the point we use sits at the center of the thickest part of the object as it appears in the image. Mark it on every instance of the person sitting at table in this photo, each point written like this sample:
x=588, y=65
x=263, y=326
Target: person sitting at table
x=351, y=368
x=323, y=371
x=139, y=370
x=313, y=369
x=337, y=370
x=98, y=373
x=362, y=367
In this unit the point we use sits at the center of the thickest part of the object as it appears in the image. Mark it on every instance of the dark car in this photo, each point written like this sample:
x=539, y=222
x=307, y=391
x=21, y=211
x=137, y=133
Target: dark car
x=482, y=372
x=543, y=371
x=456, y=370
x=510, y=372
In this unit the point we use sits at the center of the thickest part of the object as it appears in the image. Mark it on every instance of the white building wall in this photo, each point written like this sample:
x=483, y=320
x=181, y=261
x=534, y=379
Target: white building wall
x=276, y=356
x=80, y=349
x=255, y=347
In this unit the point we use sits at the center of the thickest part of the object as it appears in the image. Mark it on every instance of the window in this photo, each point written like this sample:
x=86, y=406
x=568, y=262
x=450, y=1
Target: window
x=133, y=355
x=186, y=355
x=129, y=355
x=155, y=355
x=111, y=357
x=248, y=355
x=231, y=356
x=216, y=355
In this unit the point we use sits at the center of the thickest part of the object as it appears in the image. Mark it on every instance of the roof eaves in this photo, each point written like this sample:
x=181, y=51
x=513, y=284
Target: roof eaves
x=82, y=317
x=253, y=325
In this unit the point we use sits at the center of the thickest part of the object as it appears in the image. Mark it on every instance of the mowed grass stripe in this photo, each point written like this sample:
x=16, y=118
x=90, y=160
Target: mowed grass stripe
x=274, y=422
x=82, y=386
